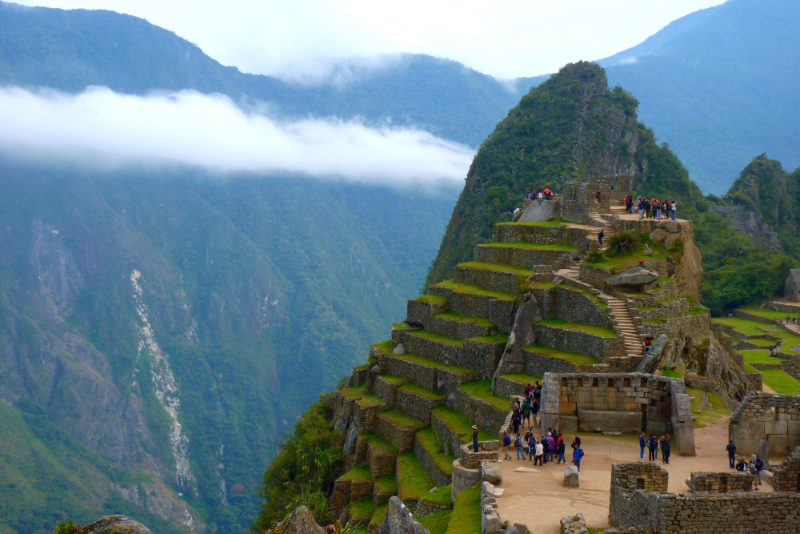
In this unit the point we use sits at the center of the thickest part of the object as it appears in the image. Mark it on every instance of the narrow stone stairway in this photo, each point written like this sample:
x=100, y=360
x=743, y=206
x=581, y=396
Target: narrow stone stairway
x=622, y=317
x=599, y=223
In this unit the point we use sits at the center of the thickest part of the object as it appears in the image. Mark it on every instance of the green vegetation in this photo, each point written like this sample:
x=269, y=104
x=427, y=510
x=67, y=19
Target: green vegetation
x=370, y=401
x=401, y=420
x=762, y=342
x=482, y=389
x=497, y=339
x=780, y=381
x=788, y=340
x=496, y=267
x=460, y=425
x=623, y=243
x=672, y=373
x=706, y=415
x=412, y=480
x=395, y=380
x=379, y=443
x=436, y=523
x=452, y=316
x=765, y=313
x=436, y=364
x=747, y=327
x=379, y=516
x=556, y=247
x=756, y=356
x=386, y=485
x=358, y=472
x=471, y=289
x=523, y=378
x=433, y=445
x=571, y=357
x=403, y=326
x=352, y=393
x=586, y=328
x=304, y=470
x=440, y=496
x=466, y=516
x=540, y=224
x=438, y=337
x=432, y=299
x=421, y=392
x=362, y=511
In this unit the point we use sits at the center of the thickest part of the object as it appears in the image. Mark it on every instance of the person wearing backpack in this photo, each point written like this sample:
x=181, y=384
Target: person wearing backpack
x=561, y=447
x=506, y=444
x=518, y=445
x=753, y=471
x=759, y=463
x=651, y=447
x=577, y=455
x=526, y=412
x=666, y=448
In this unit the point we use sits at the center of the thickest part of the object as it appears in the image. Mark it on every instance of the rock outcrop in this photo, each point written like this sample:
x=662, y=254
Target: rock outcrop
x=112, y=524
x=399, y=519
x=298, y=522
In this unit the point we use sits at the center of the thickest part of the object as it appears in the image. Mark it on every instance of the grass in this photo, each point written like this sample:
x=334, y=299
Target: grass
x=540, y=224
x=383, y=346
x=708, y=415
x=427, y=362
x=544, y=285
x=491, y=340
x=672, y=373
x=433, y=445
x=440, y=495
x=401, y=420
x=571, y=357
x=588, y=294
x=370, y=401
x=466, y=516
x=620, y=263
x=379, y=516
x=362, y=511
x=353, y=393
x=359, y=472
x=452, y=316
x=412, y=480
x=380, y=444
x=436, y=523
x=598, y=331
x=788, y=340
x=780, y=381
x=749, y=369
x=496, y=268
x=471, y=289
x=523, y=378
x=558, y=247
x=438, y=337
x=386, y=485
x=762, y=342
x=747, y=327
x=460, y=425
x=770, y=315
x=403, y=326
x=432, y=299
x=482, y=389
x=421, y=392
x=395, y=380
x=756, y=356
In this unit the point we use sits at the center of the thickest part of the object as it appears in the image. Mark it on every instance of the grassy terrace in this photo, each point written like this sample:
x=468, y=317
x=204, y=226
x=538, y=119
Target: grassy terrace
x=437, y=522
x=466, y=516
x=370, y=401
x=496, y=268
x=780, y=381
x=540, y=224
x=451, y=316
x=588, y=294
x=401, y=420
x=554, y=247
x=482, y=389
x=440, y=495
x=379, y=516
x=438, y=337
x=395, y=380
x=621, y=263
x=491, y=340
x=756, y=356
x=427, y=362
x=359, y=472
x=353, y=393
x=470, y=289
x=460, y=425
x=386, y=485
x=421, y=392
x=747, y=327
x=598, y=331
x=362, y=511
x=412, y=480
x=403, y=326
x=788, y=340
x=707, y=415
x=431, y=299
x=767, y=314
x=522, y=378
x=380, y=444
x=544, y=285
x=762, y=342
x=571, y=357
x=433, y=445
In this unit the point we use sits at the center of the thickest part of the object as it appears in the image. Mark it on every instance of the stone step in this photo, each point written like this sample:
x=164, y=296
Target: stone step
x=429, y=449
x=398, y=428
x=412, y=480
x=445, y=349
x=500, y=276
x=538, y=360
x=525, y=255
x=418, y=402
x=385, y=386
x=428, y=374
x=383, y=488
x=355, y=485
x=360, y=512
x=454, y=428
x=380, y=455
x=424, y=307
x=451, y=324
x=473, y=301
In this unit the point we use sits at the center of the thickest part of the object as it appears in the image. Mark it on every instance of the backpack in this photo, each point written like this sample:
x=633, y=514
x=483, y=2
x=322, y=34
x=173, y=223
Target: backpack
x=753, y=468
x=579, y=453
x=518, y=442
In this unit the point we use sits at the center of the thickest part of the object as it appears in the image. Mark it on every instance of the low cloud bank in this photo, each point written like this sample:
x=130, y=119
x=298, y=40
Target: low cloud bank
x=103, y=127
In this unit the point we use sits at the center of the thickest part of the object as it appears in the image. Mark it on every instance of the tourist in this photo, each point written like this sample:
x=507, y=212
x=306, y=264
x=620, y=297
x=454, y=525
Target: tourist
x=597, y=197
x=647, y=343
x=759, y=463
x=475, y=437
x=576, y=443
x=548, y=193
x=506, y=444
x=551, y=445
x=545, y=441
x=741, y=465
x=731, y=448
x=600, y=236
x=640, y=207
x=537, y=393
x=657, y=205
x=535, y=411
x=538, y=460
x=665, y=448
x=673, y=209
x=651, y=447
x=528, y=390
x=516, y=419
x=531, y=445
x=526, y=411
x=518, y=445
x=655, y=437
x=576, y=456
x=753, y=468
x=540, y=194
x=561, y=447
x=642, y=445
x=629, y=204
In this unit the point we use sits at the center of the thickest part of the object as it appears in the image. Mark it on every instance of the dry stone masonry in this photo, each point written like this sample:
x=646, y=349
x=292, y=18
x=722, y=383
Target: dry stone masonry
x=766, y=416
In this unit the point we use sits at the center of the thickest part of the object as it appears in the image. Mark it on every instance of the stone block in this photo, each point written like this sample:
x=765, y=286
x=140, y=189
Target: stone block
x=492, y=474
x=360, y=489
x=463, y=478
x=571, y=477
x=569, y=423
x=777, y=445
x=775, y=427
x=606, y=420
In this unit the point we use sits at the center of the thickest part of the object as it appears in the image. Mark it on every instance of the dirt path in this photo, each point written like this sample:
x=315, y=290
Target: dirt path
x=539, y=500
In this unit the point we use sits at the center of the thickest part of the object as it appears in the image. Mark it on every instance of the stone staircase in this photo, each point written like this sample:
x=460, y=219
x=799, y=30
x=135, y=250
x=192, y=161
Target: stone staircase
x=600, y=222
x=623, y=320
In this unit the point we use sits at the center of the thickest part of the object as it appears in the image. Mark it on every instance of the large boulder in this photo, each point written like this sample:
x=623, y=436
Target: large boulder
x=636, y=276
x=298, y=522
x=115, y=524
x=571, y=477
x=399, y=519
x=492, y=474
x=574, y=524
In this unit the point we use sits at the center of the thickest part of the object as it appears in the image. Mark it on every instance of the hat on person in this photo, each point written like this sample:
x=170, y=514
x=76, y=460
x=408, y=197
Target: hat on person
x=475, y=427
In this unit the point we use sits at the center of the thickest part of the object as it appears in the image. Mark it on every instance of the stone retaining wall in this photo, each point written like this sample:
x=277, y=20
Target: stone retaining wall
x=523, y=257
x=670, y=308
x=580, y=342
x=498, y=311
x=543, y=235
x=766, y=416
x=415, y=405
x=574, y=306
x=687, y=326
x=714, y=483
x=786, y=476
x=430, y=378
x=441, y=478
x=457, y=329
x=491, y=280
x=479, y=412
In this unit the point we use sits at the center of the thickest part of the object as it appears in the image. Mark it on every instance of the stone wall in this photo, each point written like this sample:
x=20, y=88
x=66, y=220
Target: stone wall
x=481, y=413
x=786, y=476
x=766, y=416
x=791, y=288
x=578, y=341
x=544, y=235
x=623, y=402
x=573, y=305
x=579, y=199
x=628, y=507
x=713, y=483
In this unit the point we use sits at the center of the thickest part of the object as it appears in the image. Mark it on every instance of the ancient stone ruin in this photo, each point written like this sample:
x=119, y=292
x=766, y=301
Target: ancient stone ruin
x=766, y=417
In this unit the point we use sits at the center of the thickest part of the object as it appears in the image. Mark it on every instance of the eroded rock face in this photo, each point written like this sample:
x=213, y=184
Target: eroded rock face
x=399, y=519
x=298, y=522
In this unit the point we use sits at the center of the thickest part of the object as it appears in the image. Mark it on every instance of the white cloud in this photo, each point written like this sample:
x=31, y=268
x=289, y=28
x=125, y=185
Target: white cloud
x=104, y=127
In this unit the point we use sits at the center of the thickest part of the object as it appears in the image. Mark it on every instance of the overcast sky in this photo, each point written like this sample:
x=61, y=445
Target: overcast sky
x=504, y=38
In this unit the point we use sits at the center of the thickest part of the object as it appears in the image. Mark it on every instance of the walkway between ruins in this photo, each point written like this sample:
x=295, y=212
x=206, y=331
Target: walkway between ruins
x=539, y=500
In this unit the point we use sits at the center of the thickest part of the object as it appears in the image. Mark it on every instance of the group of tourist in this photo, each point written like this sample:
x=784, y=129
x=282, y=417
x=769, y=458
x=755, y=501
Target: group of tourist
x=551, y=447
x=791, y=320
x=543, y=193
x=652, y=208
x=754, y=466
x=653, y=444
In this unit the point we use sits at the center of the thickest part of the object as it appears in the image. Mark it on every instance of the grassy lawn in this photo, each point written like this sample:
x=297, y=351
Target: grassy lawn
x=460, y=425
x=452, y=316
x=421, y=392
x=383, y=346
x=496, y=268
x=380, y=444
x=788, y=340
x=555, y=247
x=770, y=315
x=471, y=289
x=440, y=495
x=370, y=401
x=544, y=285
x=386, y=485
x=466, y=516
x=762, y=342
x=522, y=378
x=588, y=294
x=753, y=356
x=482, y=389
x=401, y=420
x=598, y=331
x=621, y=263
x=379, y=516
x=438, y=337
x=396, y=380
x=707, y=415
x=353, y=393
x=436, y=523
x=432, y=299
x=433, y=445
x=747, y=327
x=571, y=357
x=412, y=480
x=359, y=472
x=780, y=381
x=427, y=362
x=362, y=510
x=672, y=373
